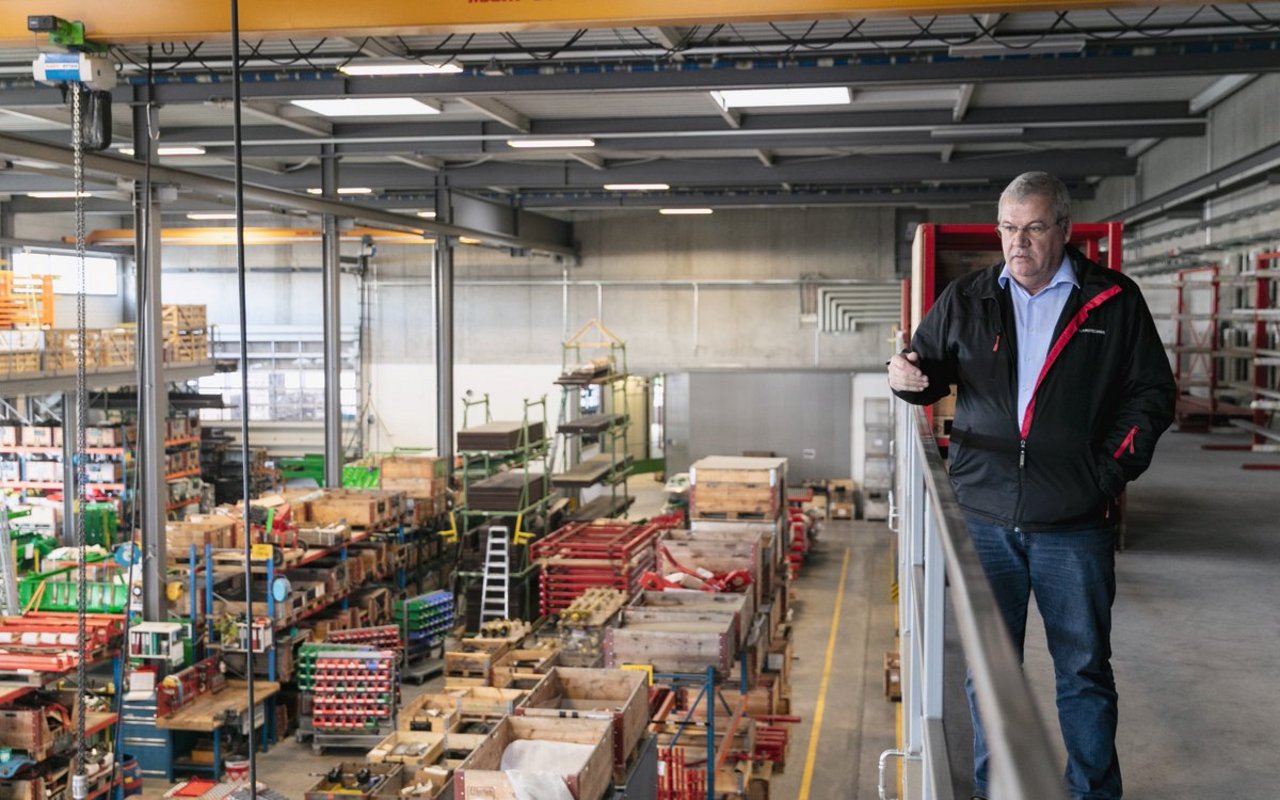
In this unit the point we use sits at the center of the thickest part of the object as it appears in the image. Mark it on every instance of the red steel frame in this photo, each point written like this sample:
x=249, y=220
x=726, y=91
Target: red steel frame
x=1265, y=374
x=583, y=555
x=1195, y=347
x=1086, y=236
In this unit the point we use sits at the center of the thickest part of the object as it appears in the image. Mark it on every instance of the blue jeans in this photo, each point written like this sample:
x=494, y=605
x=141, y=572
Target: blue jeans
x=1074, y=580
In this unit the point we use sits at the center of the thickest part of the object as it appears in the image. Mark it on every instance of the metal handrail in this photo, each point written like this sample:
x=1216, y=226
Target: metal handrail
x=1023, y=764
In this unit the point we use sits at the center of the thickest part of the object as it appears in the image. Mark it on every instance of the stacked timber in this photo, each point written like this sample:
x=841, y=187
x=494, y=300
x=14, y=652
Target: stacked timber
x=500, y=436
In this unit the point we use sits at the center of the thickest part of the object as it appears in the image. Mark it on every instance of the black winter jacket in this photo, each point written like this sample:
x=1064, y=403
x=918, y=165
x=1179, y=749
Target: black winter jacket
x=1105, y=395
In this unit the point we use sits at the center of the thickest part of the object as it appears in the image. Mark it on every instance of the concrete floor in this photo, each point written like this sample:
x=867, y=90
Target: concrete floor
x=1197, y=635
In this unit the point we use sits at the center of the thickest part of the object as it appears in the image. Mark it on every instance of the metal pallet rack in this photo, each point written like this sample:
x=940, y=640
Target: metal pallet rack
x=1251, y=348
x=605, y=370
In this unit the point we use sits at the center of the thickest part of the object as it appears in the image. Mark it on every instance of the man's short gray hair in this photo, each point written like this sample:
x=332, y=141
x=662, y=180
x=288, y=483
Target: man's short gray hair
x=1040, y=184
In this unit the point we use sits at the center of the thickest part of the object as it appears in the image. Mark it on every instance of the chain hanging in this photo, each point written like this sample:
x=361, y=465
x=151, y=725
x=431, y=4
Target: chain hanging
x=79, y=783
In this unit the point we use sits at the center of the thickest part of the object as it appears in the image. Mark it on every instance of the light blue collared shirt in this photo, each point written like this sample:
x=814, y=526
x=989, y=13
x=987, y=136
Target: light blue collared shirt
x=1036, y=315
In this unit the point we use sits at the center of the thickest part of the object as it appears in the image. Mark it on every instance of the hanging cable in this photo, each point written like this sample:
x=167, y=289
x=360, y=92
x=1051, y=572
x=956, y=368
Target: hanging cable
x=141, y=257
x=244, y=382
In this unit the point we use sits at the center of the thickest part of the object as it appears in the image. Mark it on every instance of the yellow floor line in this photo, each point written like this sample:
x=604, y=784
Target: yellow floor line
x=807, y=782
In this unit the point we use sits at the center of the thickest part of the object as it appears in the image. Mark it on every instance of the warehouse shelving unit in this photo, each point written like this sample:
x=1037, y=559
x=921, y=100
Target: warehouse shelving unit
x=594, y=358
x=523, y=520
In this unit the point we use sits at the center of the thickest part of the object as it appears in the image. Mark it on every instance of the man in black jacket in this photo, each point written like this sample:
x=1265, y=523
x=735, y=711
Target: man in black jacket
x=1062, y=389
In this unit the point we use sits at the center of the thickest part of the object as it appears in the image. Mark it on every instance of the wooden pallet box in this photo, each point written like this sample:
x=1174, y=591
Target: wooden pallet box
x=29, y=730
x=681, y=549
x=737, y=487
x=389, y=788
x=119, y=346
x=674, y=645
x=523, y=668
x=368, y=508
x=695, y=602
x=618, y=695
x=481, y=776
x=487, y=702
x=21, y=362
x=436, y=712
x=215, y=531
x=411, y=748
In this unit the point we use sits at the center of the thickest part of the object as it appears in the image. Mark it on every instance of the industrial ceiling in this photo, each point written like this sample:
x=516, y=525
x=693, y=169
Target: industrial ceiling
x=927, y=111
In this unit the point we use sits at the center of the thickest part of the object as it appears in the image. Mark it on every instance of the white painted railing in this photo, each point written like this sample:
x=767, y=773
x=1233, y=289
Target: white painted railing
x=934, y=553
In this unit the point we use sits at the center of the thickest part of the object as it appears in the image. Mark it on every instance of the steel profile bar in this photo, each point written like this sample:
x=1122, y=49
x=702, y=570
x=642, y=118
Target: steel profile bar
x=114, y=167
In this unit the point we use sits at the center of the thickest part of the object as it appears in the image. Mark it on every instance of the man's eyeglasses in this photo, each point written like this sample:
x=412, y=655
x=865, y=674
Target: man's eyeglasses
x=1036, y=230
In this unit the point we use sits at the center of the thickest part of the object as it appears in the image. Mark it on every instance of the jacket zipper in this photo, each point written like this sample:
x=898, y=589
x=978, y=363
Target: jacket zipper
x=1127, y=444
x=1054, y=351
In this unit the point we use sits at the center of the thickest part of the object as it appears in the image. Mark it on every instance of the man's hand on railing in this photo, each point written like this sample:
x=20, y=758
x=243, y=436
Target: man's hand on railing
x=905, y=375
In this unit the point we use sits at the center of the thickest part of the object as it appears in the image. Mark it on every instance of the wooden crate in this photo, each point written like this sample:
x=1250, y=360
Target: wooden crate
x=737, y=487
x=481, y=778
x=687, y=551
x=427, y=748
x=186, y=348
x=359, y=508
x=699, y=602
x=676, y=645
x=619, y=695
x=524, y=668
x=119, y=347
x=179, y=318
x=20, y=363
x=487, y=702
x=466, y=668
x=60, y=349
x=430, y=712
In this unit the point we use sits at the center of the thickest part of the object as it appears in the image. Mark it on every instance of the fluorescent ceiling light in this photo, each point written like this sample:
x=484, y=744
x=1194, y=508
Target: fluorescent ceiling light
x=59, y=194
x=170, y=150
x=636, y=187
x=773, y=98
x=1016, y=47
x=200, y=215
x=399, y=68
x=427, y=214
x=686, y=211
x=368, y=107
x=467, y=240
x=343, y=190
x=975, y=132
x=563, y=144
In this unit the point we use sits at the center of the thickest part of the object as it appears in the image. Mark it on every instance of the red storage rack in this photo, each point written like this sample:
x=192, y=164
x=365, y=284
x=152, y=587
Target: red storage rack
x=582, y=555
x=355, y=692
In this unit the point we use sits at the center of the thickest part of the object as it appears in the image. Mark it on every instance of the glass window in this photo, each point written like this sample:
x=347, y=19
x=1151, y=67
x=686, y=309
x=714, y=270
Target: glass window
x=101, y=275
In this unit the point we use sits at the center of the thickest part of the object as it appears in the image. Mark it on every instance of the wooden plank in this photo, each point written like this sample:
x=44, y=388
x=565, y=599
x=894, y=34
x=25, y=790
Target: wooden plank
x=209, y=711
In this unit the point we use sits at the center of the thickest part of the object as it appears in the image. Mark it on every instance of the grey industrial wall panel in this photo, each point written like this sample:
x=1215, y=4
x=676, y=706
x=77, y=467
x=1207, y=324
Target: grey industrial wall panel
x=804, y=415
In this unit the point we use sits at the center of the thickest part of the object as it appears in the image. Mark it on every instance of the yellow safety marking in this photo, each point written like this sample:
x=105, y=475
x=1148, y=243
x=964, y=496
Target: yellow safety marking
x=807, y=782
x=647, y=669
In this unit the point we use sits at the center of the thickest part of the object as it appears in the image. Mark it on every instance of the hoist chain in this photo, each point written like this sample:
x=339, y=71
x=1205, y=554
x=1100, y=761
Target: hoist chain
x=81, y=418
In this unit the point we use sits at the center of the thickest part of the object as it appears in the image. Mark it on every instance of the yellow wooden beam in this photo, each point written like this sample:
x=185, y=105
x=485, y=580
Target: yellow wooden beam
x=176, y=20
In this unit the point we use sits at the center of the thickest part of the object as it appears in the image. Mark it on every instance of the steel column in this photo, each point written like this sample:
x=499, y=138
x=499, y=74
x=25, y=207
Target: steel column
x=332, y=273
x=442, y=283
x=153, y=494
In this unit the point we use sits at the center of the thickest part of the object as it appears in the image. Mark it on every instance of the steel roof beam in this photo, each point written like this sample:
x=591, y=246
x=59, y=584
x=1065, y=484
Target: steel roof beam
x=110, y=167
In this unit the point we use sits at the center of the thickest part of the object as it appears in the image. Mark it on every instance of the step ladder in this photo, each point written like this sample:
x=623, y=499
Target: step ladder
x=9, y=606
x=495, y=599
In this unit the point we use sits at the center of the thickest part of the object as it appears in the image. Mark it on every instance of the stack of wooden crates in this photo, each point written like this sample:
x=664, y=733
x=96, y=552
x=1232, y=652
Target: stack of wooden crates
x=739, y=504
x=186, y=333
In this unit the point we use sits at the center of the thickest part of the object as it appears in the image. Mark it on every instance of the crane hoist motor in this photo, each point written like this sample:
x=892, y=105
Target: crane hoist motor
x=83, y=66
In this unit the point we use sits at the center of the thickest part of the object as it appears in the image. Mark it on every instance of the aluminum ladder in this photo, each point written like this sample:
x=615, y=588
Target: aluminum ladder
x=495, y=598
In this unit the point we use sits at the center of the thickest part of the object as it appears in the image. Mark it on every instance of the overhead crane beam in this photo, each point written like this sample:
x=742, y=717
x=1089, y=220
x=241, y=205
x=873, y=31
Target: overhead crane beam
x=184, y=20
